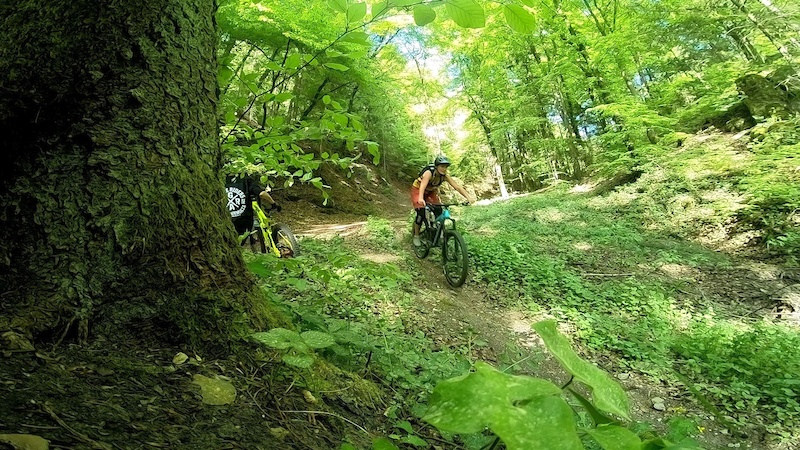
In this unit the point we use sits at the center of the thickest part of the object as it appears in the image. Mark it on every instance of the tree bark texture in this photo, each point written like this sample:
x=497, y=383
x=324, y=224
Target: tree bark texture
x=111, y=199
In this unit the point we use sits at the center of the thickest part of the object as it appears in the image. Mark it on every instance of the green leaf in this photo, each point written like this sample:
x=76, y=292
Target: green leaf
x=598, y=417
x=293, y=61
x=258, y=268
x=423, y=15
x=356, y=12
x=282, y=97
x=379, y=9
x=279, y=338
x=383, y=444
x=415, y=441
x=273, y=66
x=466, y=13
x=615, y=437
x=356, y=37
x=326, y=99
x=339, y=67
x=225, y=73
x=544, y=422
x=528, y=3
x=608, y=395
x=215, y=391
x=303, y=361
x=340, y=6
x=340, y=119
x=468, y=403
x=318, y=339
x=372, y=148
x=519, y=19
x=405, y=425
x=347, y=446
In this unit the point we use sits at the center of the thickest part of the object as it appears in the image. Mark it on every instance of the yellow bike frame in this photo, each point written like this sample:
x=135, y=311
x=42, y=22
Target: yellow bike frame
x=264, y=225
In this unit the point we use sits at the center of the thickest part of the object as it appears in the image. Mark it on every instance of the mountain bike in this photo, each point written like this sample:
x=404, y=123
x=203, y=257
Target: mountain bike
x=269, y=237
x=435, y=232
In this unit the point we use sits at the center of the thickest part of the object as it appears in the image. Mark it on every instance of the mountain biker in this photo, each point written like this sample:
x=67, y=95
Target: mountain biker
x=242, y=190
x=425, y=189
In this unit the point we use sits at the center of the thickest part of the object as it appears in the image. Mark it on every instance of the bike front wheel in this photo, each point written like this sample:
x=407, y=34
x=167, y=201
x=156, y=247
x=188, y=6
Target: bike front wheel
x=455, y=258
x=285, y=241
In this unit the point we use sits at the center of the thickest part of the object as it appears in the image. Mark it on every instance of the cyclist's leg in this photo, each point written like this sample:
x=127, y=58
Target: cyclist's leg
x=433, y=198
x=420, y=217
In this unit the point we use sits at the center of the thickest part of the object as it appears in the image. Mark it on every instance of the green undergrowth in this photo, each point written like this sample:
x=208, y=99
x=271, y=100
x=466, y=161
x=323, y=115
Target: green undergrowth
x=622, y=283
x=362, y=307
x=716, y=185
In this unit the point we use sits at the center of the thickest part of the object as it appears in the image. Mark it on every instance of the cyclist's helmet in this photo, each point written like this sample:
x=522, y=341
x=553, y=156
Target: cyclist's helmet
x=441, y=159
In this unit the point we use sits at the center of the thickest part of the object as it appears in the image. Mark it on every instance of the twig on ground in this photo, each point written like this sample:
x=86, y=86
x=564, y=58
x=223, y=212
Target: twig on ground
x=331, y=414
x=80, y=436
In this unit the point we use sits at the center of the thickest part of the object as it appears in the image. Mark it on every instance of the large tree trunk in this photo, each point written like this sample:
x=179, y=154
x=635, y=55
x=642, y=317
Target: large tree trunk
x=111, y=199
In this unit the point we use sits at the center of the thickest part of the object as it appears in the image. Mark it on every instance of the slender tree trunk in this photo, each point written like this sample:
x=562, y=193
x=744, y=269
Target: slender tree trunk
x=111, y=196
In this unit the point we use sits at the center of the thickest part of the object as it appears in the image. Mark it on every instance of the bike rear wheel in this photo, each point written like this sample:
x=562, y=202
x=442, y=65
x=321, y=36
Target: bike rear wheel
x=285, y=241
x=454, y=258
x=421, y=251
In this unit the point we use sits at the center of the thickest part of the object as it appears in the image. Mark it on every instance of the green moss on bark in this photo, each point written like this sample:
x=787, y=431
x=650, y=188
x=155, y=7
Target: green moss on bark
x=112, y=198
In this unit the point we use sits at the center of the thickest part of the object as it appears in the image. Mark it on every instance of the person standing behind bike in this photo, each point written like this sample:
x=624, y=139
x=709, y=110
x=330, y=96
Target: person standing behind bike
x=242, y=190
x=425, y=189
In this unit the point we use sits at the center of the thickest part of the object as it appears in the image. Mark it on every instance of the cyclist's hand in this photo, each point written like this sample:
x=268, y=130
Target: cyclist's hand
x=276, y=207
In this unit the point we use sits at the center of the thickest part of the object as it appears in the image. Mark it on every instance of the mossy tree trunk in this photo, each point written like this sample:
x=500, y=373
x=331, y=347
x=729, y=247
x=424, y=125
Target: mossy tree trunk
x=111, y=196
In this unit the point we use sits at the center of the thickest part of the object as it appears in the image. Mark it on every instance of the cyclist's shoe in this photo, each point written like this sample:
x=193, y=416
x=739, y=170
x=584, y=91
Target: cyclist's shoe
x=417, y=241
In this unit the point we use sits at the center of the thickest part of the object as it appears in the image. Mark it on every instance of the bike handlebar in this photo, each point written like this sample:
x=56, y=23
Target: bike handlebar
x=447, y=205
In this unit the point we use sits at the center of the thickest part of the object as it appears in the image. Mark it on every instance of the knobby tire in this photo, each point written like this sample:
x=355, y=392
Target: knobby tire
x=454, y=258
x=285, y=240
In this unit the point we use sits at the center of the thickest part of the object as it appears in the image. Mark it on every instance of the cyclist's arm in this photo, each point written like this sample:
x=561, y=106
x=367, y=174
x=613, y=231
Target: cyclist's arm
x=265, y=197
x=458, y=188
x=426, y=178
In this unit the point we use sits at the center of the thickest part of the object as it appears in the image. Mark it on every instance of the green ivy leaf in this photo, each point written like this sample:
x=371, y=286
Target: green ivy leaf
x=423, y=15
x=519, y=19
x=356, y=12
x=339, y=67
x=466, y=13
x=304, y=361
x=279, y=338
x=340, y=6
x=318, y=339
x=615, y=437
x=608, y=395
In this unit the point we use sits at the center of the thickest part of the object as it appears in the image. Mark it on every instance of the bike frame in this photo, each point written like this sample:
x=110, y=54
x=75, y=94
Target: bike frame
x=264, y=224
x=442, y=220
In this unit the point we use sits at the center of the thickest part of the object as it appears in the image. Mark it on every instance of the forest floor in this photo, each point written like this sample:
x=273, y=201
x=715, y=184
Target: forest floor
x=497, y=330
x=143, y=395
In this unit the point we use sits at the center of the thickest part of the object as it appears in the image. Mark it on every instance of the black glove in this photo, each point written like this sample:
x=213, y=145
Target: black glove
x=275, y=207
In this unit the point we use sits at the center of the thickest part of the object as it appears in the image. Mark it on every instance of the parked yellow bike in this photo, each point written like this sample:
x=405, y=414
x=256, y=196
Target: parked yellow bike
x=269, y=237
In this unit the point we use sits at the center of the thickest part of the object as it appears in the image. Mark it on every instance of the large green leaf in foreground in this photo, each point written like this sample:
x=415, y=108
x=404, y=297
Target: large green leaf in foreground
x=525, y=412
x=607, y=394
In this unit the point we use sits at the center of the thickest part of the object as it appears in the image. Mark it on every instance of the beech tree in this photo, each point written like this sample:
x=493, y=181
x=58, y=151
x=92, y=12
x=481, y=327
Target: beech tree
x=111, y=197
